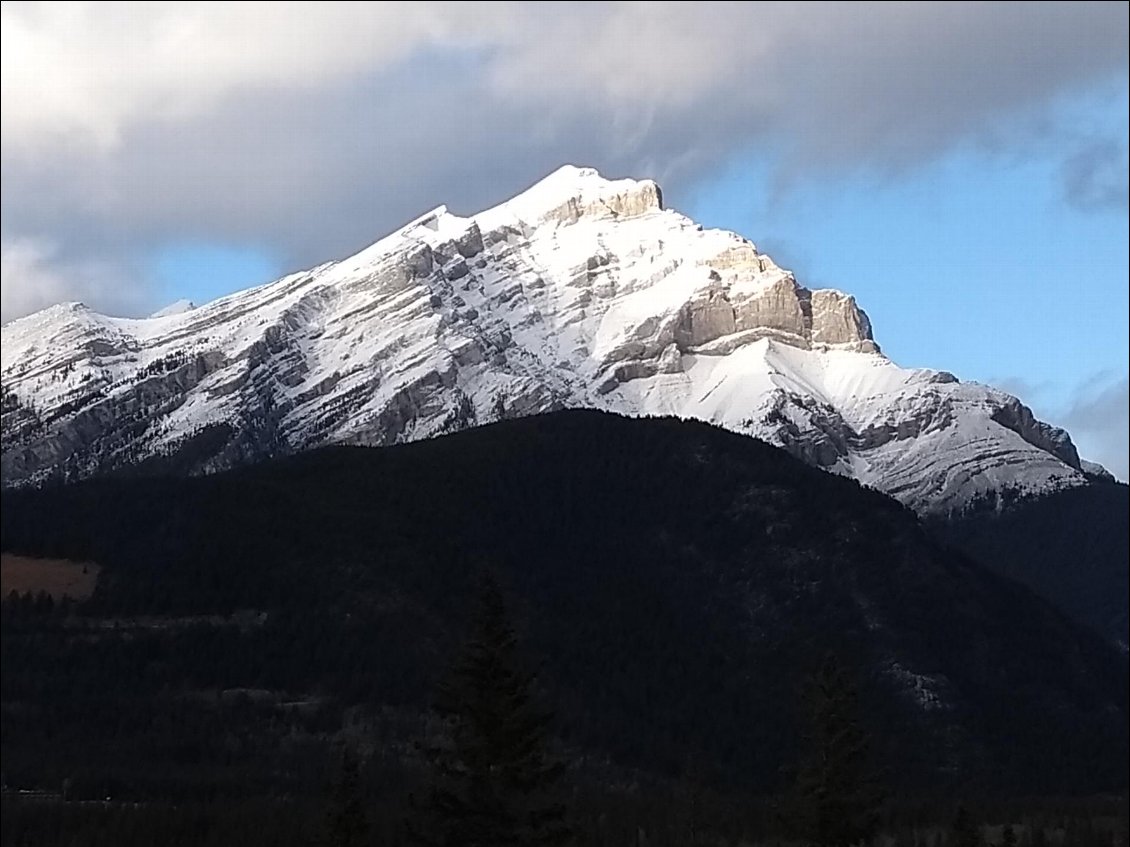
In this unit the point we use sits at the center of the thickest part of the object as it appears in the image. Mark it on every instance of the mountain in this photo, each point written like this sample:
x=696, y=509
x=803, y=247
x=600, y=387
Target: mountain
x=579, y=292
x=175, y=308
x=1070, y=546
x=676, y=581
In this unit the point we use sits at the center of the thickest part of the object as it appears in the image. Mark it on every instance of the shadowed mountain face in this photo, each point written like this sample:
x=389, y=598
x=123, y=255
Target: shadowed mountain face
x=1072, y=547
x=676, y=581
x=579, y=292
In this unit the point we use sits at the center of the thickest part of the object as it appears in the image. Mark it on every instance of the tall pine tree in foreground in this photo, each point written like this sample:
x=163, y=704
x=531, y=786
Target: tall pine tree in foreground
x=836, y=796
x=346, y=824
x=493, y=778
x=964, y=831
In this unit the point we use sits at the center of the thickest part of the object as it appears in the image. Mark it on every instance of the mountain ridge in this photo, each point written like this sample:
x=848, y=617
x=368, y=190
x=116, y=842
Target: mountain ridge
x=580, y=291
x=1070, y=546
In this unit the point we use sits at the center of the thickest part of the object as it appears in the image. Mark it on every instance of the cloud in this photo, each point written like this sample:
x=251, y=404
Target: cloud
x=1097, y=178
x=1093, y=411
x=906, y=75
x=1098, y=422
x=32, y=277
x=311, y=129
x=93, y=70
x=1018, y=386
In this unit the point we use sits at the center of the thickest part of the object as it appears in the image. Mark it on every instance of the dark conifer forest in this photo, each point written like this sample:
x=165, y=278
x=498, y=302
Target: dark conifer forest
x=684, y=627
x=1071, y=547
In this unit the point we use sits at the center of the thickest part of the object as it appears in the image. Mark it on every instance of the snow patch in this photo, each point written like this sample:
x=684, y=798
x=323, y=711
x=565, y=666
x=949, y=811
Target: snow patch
x=178, y=307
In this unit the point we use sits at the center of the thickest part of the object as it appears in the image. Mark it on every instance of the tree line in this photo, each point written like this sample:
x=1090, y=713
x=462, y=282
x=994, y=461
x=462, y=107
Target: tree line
x=492, y=774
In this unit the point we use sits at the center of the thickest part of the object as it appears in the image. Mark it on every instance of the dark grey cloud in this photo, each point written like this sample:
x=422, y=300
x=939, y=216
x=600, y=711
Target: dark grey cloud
x=329, y=128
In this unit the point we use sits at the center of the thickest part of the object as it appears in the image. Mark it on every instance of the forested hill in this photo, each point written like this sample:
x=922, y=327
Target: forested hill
x=674, y=580
x=1071, y=546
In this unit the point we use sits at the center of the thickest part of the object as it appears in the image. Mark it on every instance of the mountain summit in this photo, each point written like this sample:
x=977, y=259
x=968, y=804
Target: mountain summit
x=581, y=291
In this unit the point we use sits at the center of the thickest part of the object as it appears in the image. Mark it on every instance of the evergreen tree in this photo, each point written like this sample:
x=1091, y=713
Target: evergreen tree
x=1008, y=836
x=836, y=797
x=964, y=832
x=347, y=825
x=493, y=780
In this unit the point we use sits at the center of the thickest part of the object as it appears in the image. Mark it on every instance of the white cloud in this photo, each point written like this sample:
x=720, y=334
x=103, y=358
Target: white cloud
x=32, y=277
x=91, y=70
x=310, y=129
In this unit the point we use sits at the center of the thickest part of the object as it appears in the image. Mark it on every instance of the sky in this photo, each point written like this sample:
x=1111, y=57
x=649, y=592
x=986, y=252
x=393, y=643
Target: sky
x=961, y=168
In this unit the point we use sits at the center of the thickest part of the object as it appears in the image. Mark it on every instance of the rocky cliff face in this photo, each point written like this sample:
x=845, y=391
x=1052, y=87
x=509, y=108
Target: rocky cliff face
x=579, y=292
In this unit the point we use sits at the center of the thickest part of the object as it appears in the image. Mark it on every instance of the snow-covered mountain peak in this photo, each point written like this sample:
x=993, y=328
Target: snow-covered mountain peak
x=177, y=307
x=571, y=192
x=579, y=291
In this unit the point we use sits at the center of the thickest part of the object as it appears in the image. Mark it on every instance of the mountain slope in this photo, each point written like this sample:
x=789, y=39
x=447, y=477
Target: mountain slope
x=579, y=292
x=678, y=580
x=1072, y=547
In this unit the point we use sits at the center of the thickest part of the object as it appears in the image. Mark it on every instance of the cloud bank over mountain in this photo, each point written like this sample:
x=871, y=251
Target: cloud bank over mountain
x=314, y=129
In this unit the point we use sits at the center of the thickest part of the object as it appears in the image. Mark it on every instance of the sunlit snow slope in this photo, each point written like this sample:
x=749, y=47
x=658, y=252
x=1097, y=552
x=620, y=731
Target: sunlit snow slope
x=579, y=292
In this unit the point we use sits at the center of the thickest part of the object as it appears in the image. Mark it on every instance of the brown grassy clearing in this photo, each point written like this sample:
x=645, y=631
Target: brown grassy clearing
x=55, y=576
